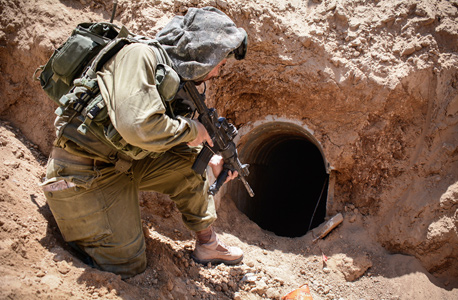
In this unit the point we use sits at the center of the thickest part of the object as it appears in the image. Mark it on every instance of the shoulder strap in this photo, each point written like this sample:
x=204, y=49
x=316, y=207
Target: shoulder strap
x=117, y=44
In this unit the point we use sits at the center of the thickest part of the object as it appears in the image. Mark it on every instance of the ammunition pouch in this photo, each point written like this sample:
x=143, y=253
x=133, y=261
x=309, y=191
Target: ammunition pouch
x=69, y=60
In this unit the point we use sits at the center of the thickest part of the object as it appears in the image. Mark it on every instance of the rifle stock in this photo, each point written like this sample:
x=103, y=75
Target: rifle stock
x=222, y=134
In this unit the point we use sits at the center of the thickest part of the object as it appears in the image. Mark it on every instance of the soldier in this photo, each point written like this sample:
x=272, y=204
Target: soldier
x=94, y=202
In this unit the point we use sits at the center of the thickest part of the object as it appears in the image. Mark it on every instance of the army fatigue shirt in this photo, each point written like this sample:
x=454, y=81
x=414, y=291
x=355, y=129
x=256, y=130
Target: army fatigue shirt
x=135, y=107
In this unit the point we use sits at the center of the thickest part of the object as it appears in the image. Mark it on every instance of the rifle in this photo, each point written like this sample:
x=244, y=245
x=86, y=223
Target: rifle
x=222, y=134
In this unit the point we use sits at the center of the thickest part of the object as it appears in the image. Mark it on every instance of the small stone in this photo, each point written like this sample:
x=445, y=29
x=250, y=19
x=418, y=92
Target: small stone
x=425, y=43
x=40, y=273
x=63, y=267
x=224, y=287
x=52, y=281
x=249, y=277
x=12, y=164
x=336, y=62
x=352, y=218
x=409, y=49
x=261, y=287
x=170, y=285
x=273, y=293
x=305, y=41
x=232, y=284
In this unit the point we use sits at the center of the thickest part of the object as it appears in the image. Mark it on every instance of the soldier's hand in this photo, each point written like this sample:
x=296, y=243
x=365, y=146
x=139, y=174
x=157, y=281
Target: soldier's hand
x=202, y=136
x=217, y=164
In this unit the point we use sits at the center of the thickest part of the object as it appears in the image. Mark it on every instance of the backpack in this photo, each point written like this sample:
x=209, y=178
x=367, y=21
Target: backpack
x=69, y=78
x=69, y=60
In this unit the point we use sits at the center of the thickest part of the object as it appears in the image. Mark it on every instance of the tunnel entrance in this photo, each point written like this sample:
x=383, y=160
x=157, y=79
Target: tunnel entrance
x=289, y=175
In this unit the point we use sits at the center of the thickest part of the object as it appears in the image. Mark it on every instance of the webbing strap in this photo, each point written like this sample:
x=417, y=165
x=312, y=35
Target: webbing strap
x=109, y=51
x=94, y=111
x=90, y=84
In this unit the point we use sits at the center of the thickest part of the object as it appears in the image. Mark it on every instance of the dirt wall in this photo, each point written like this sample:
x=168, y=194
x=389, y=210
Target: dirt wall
x=375, y=81
x=377, y=85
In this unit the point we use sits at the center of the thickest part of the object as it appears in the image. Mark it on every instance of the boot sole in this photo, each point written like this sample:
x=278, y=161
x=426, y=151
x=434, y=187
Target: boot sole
x=216, y=261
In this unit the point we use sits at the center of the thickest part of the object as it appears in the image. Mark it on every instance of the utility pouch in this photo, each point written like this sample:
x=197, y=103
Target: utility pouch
x=120, y=144
x=70, y=59
x=68, y=62
x=167, y=81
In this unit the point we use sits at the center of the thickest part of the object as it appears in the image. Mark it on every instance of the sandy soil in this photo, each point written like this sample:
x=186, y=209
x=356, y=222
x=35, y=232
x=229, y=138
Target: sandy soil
x=36, y=263
x=375, y=82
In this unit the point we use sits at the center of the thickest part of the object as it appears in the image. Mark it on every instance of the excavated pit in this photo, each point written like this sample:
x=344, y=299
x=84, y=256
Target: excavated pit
x=290, y=176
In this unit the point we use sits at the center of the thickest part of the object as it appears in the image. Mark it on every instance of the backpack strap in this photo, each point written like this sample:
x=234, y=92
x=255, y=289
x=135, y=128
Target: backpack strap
x=109, y=51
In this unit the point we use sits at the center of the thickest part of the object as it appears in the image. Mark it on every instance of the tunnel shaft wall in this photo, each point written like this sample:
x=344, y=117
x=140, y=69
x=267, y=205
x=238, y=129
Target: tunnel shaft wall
x=290, y=177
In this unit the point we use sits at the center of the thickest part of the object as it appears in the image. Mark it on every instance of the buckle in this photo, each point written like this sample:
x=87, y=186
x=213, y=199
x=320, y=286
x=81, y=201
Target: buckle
x=122, y=165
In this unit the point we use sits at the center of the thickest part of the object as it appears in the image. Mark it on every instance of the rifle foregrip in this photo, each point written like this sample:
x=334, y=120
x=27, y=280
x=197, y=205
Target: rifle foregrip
x=201, y=162
x=214, y=188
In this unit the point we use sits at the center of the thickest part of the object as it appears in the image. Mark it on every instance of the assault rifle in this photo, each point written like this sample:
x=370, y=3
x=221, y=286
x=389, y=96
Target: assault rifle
x=222, y=134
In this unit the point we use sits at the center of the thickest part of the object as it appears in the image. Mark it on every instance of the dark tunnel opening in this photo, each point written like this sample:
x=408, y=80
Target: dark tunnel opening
x=288, y=173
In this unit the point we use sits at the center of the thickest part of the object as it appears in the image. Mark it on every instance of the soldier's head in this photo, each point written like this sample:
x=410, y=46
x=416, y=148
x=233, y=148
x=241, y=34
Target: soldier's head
x=200, y=42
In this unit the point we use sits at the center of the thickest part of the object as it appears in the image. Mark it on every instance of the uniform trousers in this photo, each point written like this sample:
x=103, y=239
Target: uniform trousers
x=96, y=207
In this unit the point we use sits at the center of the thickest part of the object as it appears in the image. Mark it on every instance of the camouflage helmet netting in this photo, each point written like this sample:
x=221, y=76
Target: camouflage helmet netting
x=199, y=41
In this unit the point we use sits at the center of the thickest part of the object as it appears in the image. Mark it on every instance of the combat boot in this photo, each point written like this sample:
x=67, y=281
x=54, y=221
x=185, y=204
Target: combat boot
x=214, y=250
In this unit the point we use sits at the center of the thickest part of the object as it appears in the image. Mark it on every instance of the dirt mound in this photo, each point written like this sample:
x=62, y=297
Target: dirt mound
x=374, y=83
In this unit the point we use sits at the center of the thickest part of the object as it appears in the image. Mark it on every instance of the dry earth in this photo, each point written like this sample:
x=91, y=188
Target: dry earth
x=375, y=83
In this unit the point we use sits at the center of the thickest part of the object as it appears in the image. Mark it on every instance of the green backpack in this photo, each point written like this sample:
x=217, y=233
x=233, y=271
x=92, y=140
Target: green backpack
x=69, y=60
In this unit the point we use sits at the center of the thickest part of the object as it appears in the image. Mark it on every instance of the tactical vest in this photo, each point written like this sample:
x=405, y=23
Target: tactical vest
x=83, y=126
